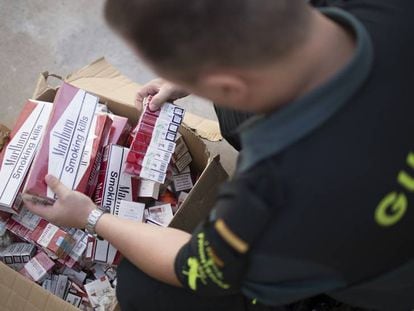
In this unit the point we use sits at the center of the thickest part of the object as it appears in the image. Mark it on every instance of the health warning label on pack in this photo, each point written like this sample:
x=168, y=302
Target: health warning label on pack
x=20, y=152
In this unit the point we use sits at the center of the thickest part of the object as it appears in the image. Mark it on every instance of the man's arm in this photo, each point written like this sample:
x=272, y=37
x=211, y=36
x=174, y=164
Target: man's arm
x=152, y=249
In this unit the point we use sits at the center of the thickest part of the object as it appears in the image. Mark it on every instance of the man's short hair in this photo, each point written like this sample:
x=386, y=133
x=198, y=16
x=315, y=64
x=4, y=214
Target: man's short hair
x=189, y=35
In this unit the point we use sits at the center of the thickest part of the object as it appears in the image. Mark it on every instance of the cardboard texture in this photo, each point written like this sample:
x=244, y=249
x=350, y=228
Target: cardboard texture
x=204, y=128
x=18, y=293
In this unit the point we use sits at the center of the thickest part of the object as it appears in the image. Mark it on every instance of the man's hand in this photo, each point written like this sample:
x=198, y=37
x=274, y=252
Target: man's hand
x=161, y=90
x=70, y=210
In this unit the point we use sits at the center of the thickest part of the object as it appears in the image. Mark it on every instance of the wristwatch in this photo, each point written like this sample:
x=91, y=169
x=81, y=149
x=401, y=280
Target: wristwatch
x=93, y=218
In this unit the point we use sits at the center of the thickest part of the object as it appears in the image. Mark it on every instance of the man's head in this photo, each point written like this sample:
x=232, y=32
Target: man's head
x=205, y=45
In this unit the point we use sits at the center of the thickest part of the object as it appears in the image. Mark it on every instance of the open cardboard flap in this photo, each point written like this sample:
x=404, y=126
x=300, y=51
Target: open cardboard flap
x=105, y=80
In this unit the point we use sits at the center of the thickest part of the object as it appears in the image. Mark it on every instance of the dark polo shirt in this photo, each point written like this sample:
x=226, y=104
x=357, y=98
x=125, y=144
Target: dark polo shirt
x=322, y=198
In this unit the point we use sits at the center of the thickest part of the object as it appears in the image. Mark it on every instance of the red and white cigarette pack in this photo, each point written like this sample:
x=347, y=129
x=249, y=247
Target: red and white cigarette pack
x=154, y=142
x=119, y=131
x=37, y=268
x=27, y=219
x=71, y=142
x=19, y=230
x=16, y=159
x=114, y=185
x=54, y=239
x=75, y=255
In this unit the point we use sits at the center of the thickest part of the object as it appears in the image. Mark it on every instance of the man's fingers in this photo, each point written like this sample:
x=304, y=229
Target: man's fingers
x=44, y=211
x=57, y=187
x=144, y=92
x=158, y=100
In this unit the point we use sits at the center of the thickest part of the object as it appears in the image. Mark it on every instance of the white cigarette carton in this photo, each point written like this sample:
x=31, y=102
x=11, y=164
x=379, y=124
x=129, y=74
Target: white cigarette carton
x=16, y=159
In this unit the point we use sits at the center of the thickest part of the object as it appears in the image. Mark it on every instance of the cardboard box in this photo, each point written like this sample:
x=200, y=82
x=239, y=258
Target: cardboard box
x=18, y=293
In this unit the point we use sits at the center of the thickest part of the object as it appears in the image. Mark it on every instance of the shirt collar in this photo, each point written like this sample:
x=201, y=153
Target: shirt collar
x=269, y=135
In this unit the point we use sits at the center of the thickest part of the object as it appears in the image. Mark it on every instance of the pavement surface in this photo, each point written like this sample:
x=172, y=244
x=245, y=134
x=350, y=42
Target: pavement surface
x=61, y=36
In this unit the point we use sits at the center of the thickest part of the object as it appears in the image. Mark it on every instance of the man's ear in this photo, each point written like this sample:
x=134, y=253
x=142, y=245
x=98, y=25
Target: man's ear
x=225, y=88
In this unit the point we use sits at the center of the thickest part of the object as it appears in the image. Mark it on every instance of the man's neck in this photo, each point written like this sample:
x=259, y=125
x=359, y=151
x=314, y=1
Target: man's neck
x=328, y=48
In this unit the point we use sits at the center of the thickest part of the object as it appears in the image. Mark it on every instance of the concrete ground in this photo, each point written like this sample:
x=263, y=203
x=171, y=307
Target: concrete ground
x=61, y=36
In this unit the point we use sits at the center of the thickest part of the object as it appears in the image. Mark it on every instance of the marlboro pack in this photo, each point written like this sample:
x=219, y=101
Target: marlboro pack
x=119, y=131
x=114, y=187
x=154, y=142
x=18, y=156
x=38, y=267
x=114, y=184
x=71, y=142
x=54, y=239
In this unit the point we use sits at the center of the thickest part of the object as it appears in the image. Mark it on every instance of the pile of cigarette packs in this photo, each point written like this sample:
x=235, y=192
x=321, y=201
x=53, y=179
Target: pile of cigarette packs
x=141, y=174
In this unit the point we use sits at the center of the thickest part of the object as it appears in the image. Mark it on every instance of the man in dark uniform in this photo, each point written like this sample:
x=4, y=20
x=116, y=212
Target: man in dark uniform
x=319, y=204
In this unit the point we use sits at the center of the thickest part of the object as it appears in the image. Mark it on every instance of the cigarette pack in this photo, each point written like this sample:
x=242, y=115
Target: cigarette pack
x=19, y=230
x=148, y=189
x=16, y=159
x=27, y=219
x=57, y=284
x=71, y=141
x=180, y=147
x=182, y=181
x=160, y=214
x=38, y=267
x=17, y=254
x=76, y=295
x=154, y=142
x=78, y=277
x=54, y=239
x=114, y=184
x=104, y=252
x=119, y=131
x=75, y=255
x=100, y=293
x=183, y=162
x=131, y=211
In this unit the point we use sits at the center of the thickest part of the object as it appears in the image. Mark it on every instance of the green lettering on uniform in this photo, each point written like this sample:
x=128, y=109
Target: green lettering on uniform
x=406, y=181
x=391, y=209
x=410, y=159
x=193, y=272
